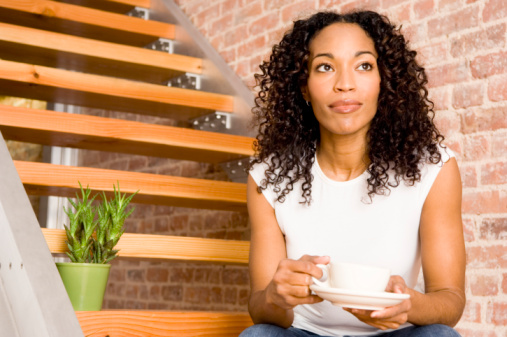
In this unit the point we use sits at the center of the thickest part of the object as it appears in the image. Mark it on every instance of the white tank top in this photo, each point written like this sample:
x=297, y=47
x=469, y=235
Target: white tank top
x=342, y=223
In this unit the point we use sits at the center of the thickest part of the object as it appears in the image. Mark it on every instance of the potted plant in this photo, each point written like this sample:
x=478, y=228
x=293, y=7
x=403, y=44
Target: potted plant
x=92, y=234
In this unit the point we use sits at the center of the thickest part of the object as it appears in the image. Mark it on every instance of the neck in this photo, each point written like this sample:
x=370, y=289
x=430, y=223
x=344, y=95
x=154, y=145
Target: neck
x=343, y=158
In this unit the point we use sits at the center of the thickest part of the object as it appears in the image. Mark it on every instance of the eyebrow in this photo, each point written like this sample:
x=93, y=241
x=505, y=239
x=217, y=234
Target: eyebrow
x=359, y=53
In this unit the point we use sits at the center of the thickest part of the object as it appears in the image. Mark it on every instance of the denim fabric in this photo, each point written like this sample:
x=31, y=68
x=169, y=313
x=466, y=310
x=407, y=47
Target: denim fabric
x=268, y=330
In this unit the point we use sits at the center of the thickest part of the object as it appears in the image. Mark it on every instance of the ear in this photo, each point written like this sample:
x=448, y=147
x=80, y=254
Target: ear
x=304, y=92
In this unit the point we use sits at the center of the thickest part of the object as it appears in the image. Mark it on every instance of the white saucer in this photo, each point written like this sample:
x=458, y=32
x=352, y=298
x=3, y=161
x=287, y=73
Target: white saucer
x=358, y=299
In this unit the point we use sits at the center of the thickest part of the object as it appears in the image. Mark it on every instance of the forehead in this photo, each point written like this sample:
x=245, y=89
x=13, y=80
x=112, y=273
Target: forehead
x=342, y=37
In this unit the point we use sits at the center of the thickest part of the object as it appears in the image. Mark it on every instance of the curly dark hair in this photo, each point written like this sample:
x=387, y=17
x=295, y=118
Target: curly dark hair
x=401, y=135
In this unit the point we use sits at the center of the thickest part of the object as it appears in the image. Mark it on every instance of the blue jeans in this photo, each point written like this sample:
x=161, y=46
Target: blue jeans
x=268, y=330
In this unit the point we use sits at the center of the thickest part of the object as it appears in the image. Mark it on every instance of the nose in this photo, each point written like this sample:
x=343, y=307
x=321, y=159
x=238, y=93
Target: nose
x=345, y=81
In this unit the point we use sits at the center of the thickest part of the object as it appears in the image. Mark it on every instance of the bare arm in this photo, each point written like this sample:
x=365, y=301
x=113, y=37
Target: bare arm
x=277, y=284
x=443, y=262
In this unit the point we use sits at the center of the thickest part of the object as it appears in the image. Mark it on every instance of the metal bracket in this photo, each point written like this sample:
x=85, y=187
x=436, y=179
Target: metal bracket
x=186, y=81
x=236, y=170
x=139, y=12
x=162, y=44
x=215, y=122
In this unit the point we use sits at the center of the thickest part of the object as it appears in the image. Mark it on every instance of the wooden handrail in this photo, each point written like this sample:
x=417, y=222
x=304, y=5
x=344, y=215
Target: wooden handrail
x=84, y=21
x=106, y=134
x=60, y=180
x=64, y=86
x=123, y=323
x=113, y=5
x=41, y=47
x=149, y=246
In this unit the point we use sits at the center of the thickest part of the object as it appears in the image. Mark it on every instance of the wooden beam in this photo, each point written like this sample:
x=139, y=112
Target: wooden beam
x=60, y=180
x=85, y=22
x=35, y=46
x=70, y=87
x=105, y=134
x=146, y=246
x=125, y=323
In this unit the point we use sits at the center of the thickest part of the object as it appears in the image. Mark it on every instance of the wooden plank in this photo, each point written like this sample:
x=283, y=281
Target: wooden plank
x=70, y=87
x=105, y=134
x=119, y=6
x=59, y=180
x=41, y=47
x=83, y=21
x=125, y=323
x=146, y=246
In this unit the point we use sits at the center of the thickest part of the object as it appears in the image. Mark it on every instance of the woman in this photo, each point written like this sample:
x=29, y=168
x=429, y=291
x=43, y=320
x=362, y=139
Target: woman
x=350, y=167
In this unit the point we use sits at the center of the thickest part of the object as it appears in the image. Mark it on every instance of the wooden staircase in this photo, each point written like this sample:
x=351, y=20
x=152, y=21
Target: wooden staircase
x=89, y=53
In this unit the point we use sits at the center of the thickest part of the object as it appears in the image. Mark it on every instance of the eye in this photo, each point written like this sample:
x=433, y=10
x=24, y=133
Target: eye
x=324, y=67
x=366, y=66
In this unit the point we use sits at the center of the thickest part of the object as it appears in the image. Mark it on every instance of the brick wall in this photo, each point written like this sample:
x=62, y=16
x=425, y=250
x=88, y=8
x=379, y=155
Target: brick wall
x=462, y=44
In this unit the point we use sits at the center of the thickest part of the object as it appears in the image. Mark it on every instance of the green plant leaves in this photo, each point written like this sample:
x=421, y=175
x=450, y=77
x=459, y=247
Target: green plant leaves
x=93, y=232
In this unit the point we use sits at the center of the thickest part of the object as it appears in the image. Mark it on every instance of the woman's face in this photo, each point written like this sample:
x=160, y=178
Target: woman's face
x=344, y=80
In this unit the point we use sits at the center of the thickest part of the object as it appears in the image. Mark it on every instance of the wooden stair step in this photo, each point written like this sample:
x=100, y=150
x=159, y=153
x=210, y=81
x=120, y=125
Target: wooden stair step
x=119, y=6
x=148, y=246
x=35, y=46
x=126, y=323
x=84, y=22
x=106, y=134
x=70, y=87
x=60, y=180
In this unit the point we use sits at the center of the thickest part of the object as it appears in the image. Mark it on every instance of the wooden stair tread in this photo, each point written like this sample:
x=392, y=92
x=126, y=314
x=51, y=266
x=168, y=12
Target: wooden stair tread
x=70, y=87
x=83, y=21
x=60, y=180
x=148, y=246
x=41, y=47
x=120, y=6
x=106, y=134
x=141, y=323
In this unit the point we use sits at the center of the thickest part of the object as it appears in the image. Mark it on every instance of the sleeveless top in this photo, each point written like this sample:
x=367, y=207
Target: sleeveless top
x=342, y=222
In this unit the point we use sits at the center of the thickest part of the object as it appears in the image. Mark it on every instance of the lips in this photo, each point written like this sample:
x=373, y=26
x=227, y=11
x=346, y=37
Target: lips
x=345, y=106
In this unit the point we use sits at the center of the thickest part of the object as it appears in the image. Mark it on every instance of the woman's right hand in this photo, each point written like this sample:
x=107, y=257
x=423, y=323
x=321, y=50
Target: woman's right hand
x=291, y=282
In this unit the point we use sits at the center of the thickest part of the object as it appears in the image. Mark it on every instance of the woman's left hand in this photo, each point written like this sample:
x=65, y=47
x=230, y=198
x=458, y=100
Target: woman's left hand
x=391, y=317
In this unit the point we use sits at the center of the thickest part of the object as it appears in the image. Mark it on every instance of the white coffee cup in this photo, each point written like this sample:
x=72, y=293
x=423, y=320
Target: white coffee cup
x=353, y=277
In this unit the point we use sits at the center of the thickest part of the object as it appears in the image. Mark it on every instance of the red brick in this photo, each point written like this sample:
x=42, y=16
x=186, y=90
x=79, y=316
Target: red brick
x=494, y=229
x=469, y=230
x=424, y=8
x=182, y=275
x=468, y=176
x=218, y=41
x=261, y=25
x=391, y=3
x=222, y=24
x=494, y=173
x=157, y=275
x=400, y=14
x=447, y=74
x=216, y=295
x=497, y=313
x=491, y=38
x=497, y=88
x=484, y=285
x=135, y=305
x=476, y=333
x=361, y=4
x=487, y=257
x=298, y=10
x=155, y=292
x=229, y=56
x=488, y=65
x=248, y=48
x=484, y=120
x=207, y=15
x=231, y=295
x=199, y=295
x=207, y=275
x=243, y=297
x=276, y=4
x=504, y=283
x=494, y=9
x=440, y=98
x=467, y=95
x=415, y=32
x=172, y=293
x=499, y=144
x=117, y=274
x=447, y=122
x=476, y=147
x=433, y=53
x=236, y=276
x=460, y=20
x=472, y=312
x=132, y=291
x=482, y=202
x=446, y=5
x=235, y=36
x=161, y=225
x=246, y=12
x=136, y=275
x=231, y=5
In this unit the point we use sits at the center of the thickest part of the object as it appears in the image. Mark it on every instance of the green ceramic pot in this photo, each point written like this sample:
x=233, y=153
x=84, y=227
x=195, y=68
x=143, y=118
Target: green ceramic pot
x=85, y=284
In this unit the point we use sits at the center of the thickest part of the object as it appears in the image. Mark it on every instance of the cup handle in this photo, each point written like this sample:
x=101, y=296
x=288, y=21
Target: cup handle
x=324, y=280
